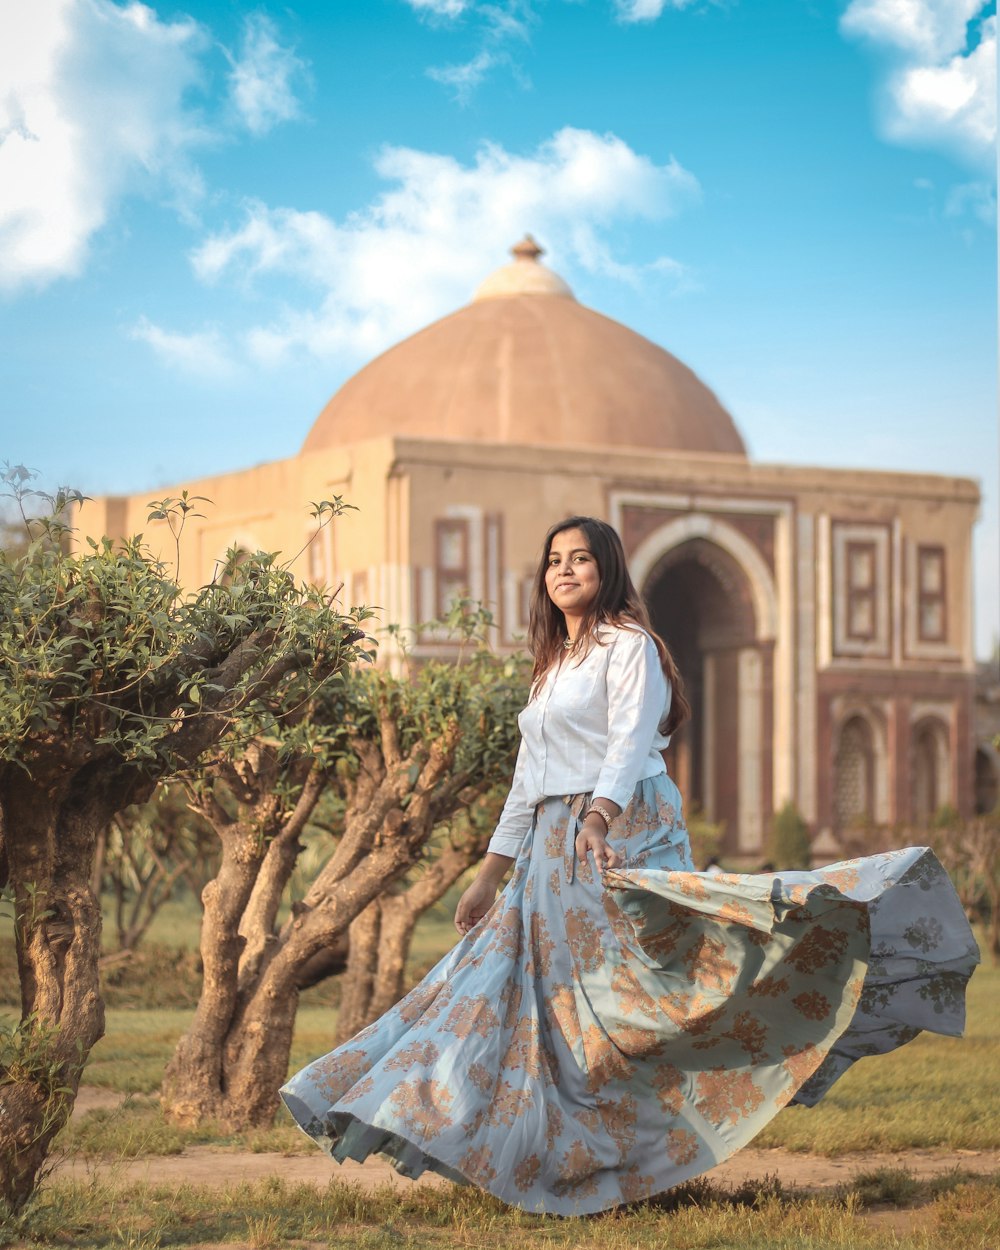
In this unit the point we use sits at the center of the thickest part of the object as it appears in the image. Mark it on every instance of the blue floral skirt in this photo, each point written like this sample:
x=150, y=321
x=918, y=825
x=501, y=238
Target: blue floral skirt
x=595, y=1041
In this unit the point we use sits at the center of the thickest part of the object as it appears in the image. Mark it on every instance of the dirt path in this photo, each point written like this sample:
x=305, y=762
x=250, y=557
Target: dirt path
x=219, y=1166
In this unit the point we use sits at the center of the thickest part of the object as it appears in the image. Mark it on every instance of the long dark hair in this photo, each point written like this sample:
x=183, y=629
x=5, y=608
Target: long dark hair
x=617, y=602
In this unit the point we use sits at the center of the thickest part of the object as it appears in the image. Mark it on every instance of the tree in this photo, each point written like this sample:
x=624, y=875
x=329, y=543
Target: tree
x=381, y=936
x=143, y=855
x=788, y=844
x=110, y=681
x=405, y=754
x=704, y=835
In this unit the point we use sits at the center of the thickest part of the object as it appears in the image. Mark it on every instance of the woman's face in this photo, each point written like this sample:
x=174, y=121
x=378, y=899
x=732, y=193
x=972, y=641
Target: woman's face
x=571, y=576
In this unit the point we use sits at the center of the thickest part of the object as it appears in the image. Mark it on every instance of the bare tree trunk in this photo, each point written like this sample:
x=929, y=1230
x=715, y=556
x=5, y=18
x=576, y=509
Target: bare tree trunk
x=194, y=1079
x=50, y=853
x=231, y=1062
x=358, y=981
x=257, y=924
x=240, y=907
x=375, y=978
x=100, y=853
x=257, y=1058
x=326, y=963
x=400, y=914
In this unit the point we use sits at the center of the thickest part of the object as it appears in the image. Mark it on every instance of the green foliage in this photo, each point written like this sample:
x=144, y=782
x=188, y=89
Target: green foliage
x=111, y=679
x=946, y=817
x=897, y=1186
x=788, y=844
x=154, y=975
x=101, y=649
x=705, y=835
x=30, y=1055
x=480, y=690
x=473, y=688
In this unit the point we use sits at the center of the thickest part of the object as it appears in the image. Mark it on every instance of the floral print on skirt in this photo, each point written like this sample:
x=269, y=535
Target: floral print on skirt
x=593, y=1042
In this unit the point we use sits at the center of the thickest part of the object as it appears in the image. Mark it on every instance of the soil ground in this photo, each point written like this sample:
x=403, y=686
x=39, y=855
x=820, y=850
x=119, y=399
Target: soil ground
x=220, y=1166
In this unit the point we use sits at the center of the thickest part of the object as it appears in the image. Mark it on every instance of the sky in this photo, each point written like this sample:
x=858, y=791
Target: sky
x=213, y=213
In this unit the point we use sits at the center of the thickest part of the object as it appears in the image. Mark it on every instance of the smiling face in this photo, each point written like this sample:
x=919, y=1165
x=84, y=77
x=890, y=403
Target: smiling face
x=572, y=578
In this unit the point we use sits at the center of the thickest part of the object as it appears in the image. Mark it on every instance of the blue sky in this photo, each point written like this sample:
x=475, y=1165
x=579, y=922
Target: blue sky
x=211, y=214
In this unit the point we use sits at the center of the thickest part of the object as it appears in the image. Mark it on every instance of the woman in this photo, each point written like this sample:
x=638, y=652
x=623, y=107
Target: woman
x=616, y=1023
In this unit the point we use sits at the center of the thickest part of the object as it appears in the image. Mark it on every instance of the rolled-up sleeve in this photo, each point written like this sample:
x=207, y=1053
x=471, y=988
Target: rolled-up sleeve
x=637, y=698
x=515, y=819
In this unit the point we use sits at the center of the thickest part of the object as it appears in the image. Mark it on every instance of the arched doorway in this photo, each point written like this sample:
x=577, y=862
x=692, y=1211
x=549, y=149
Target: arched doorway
x=987, y=779
x=854, y=777
x=701, y=603
x=929, y=767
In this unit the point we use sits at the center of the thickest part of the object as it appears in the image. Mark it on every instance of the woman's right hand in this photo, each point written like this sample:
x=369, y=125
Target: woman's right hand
x=474, y=904
x=591, y=841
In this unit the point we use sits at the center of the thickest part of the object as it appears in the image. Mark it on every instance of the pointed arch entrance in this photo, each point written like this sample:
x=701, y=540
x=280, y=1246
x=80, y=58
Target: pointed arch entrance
x=717, y=618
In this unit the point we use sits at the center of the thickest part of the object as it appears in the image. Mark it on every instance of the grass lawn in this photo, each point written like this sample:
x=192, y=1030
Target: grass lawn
x=132, y=1054
x=956, y=1214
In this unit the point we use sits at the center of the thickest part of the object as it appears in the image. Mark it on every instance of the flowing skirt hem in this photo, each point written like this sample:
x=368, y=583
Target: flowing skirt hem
x=594, y=1043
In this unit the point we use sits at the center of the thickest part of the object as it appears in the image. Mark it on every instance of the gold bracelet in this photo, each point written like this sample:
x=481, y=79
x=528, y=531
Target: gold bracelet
x=603, y=812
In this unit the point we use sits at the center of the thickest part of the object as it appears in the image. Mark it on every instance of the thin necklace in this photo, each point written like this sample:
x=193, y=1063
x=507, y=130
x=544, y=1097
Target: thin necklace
x=567, y=642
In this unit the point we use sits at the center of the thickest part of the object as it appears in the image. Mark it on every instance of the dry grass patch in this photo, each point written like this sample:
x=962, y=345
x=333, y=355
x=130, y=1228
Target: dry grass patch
x=139, y=1129
x=272, y=1214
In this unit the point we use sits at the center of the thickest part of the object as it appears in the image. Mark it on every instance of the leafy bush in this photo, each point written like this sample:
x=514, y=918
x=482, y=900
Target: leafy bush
x=788, y=844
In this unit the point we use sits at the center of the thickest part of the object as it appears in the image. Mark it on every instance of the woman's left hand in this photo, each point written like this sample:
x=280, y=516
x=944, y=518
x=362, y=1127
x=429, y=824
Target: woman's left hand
x=591, y=840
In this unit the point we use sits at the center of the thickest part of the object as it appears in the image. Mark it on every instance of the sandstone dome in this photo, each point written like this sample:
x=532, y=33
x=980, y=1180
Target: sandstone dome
x=525, y=363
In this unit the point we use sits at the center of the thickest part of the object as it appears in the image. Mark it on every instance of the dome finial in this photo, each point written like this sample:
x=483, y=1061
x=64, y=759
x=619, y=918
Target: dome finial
x=524, y=275
x=527, y=249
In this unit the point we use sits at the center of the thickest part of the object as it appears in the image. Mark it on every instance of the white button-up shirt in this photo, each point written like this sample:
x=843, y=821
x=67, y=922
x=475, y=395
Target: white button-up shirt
x=592, y=727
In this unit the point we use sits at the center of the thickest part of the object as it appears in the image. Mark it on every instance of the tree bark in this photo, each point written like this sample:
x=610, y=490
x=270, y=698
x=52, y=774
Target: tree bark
x=358, y=981
x=194, y=1079
x=259, y=849
x=233, y=1059
x=375, y=978
x=50, y=834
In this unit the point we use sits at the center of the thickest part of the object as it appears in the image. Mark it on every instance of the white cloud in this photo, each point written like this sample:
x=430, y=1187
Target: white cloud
x=495, y=24
x=940, y=92
x=930, y=29
x=952, y=105
x=464, y=79
x=262, y=77
x=977, y=198
x=94, y=104
x=514, y=21
x=422, y=247
x=646, y=10
x=203, y=353
x=440, y=8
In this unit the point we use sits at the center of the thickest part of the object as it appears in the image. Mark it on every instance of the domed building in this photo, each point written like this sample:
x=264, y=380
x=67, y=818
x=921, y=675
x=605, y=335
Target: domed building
x=821, y=618
x=525, y=364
